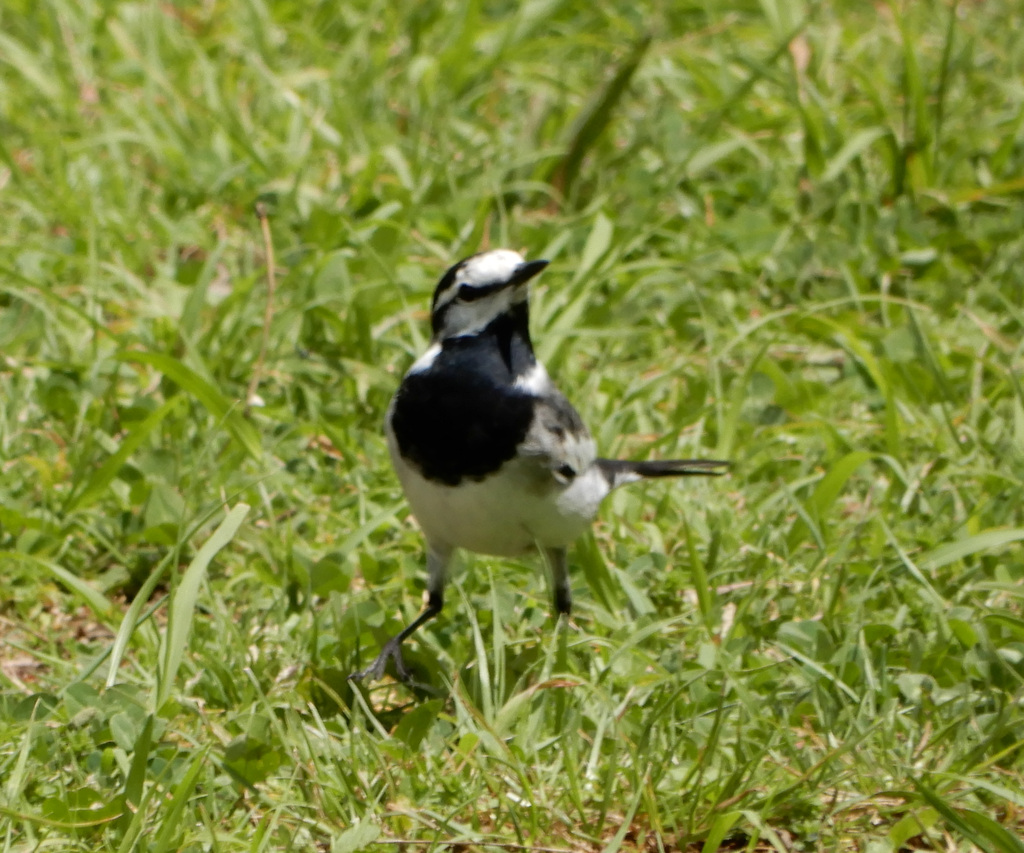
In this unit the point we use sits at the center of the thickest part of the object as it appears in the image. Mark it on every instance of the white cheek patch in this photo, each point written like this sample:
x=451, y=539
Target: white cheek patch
x=468, y=318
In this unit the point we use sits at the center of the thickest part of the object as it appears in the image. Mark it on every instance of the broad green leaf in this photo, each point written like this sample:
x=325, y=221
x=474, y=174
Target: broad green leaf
x=357, y=837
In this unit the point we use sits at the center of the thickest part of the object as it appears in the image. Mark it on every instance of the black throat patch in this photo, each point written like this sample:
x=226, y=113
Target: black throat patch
x=463, y=417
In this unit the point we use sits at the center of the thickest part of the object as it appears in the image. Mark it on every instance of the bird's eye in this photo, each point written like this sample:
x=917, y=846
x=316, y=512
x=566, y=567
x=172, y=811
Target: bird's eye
x=470, y=292
x=566, y=472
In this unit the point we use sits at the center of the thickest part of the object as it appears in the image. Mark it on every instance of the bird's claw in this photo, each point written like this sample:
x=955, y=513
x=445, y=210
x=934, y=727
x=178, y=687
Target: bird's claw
x=375, y=670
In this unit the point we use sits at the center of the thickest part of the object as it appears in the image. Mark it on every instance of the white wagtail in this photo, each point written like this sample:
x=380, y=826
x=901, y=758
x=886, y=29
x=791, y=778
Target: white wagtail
x=491, y=455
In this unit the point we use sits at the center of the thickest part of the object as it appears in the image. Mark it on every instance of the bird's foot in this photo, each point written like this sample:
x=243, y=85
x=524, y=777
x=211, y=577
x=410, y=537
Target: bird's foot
x=392, y=650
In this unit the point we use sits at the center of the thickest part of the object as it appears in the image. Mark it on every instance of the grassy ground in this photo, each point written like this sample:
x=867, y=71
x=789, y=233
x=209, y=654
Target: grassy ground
x=786, y=233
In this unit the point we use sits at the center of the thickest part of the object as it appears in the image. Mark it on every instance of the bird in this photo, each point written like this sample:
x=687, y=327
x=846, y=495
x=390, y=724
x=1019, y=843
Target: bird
x=491, y=456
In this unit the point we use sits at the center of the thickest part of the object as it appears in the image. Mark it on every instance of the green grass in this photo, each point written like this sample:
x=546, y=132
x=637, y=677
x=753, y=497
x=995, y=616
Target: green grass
x=791, y=234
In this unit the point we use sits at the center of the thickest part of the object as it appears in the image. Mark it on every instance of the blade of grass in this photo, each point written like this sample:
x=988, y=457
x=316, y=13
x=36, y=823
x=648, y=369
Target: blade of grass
x=132, y=618
x=708, y=128
x=851, y=150
x=974, y=826
x=172, y=824
x=183, y=601
x=104, y=475
x=135, y=783
x=915, y=572
x=615, y=843
x=191, y=312
x=942, y=88
x=96, y=600
x=596, y=117
x=13, y=787
x=212, y=399
x=482, y=665
x=917, y=148
x=951, y=552
x=831, y=485
x=721, y=826
x=701, y=584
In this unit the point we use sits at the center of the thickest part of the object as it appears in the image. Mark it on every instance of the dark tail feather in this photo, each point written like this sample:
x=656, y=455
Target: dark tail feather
x=620, y=471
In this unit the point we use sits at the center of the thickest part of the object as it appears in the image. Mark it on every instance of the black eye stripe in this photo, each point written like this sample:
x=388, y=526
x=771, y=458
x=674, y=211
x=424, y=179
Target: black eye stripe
x=468, y=293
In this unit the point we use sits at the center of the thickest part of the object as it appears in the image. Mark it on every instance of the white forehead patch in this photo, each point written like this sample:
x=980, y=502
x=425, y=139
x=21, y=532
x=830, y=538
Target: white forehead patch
x=490, y=268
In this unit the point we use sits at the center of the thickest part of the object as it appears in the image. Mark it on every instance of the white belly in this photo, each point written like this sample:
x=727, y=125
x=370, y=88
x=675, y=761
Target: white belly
x=505, y=514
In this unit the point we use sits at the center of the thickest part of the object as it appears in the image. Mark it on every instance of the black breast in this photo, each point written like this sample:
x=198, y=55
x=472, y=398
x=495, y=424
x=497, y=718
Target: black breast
x=462, y=418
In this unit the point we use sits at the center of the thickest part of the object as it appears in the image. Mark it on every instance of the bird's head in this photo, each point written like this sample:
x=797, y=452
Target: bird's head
x=480, y=289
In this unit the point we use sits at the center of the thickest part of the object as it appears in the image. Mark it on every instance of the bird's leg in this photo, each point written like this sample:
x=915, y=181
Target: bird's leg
x=559, y=565
x=393, y=647
x=437, y=564
x=562, y=593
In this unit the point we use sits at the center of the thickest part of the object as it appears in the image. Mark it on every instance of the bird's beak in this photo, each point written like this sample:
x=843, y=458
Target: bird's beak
x=527, y=270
